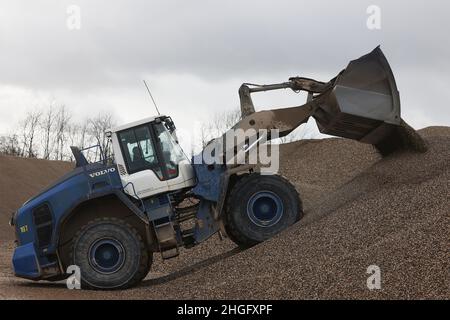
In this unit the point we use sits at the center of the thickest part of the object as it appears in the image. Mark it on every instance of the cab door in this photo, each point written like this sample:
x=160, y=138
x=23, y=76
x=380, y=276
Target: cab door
x=145, y=170
x=178, y=169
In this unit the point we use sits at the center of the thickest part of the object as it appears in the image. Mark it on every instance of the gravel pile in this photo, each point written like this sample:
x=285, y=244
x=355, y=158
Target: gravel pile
x=393, y=214
x=360, y=210
x=21, y=179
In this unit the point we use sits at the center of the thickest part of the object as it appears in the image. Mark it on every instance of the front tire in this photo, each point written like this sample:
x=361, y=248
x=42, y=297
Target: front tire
x=111, y=254
x=259, y=207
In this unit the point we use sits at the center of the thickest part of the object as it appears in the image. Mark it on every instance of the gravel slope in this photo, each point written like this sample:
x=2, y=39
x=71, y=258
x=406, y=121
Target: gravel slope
x=359, y=211
x=21, y=179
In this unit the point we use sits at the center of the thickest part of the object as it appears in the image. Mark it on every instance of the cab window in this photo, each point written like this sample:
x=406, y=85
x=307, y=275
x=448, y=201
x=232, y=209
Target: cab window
x=138, y=150
x=171, y=151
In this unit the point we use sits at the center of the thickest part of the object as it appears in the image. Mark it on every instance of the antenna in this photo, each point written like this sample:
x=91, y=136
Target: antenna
x=154, y=103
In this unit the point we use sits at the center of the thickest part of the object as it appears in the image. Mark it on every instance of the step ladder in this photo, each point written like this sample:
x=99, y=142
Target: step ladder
x=188, y=238
x=166, y=237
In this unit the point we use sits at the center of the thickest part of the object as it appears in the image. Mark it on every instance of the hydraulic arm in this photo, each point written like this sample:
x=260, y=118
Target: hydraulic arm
x=361, y=103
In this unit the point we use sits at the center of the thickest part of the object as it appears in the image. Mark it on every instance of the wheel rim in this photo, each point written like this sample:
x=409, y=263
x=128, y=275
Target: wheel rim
x=265, y=208
x=106, y=255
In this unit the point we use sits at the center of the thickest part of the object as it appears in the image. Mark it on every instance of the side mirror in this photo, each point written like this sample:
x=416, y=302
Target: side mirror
x=168, y=122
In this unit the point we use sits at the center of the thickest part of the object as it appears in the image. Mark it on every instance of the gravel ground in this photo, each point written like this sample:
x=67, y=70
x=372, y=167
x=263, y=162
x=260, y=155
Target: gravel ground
x=360, y=210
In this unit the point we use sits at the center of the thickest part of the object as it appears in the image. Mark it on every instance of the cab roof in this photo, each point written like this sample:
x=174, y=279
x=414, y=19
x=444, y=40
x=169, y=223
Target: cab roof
x=136, y=123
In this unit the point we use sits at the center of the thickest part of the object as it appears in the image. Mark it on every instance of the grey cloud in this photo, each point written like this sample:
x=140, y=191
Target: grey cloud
x=217, y=42
x=212, y=39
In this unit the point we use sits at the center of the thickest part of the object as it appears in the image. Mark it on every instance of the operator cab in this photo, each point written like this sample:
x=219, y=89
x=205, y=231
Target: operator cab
x=149, y=159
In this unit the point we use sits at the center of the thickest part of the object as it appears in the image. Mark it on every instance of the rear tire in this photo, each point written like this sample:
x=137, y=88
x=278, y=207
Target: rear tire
x=259, y=207
x=111, y=254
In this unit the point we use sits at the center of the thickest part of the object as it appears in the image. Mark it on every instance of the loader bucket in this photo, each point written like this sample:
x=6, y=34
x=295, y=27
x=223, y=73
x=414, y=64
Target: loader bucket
x=363, y=104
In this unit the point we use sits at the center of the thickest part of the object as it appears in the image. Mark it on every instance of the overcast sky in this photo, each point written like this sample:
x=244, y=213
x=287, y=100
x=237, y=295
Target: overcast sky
x=195, y=54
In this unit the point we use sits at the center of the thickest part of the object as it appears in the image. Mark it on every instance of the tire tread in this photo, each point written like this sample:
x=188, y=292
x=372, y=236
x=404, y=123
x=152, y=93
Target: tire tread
x=230, y=226
x=146, y=256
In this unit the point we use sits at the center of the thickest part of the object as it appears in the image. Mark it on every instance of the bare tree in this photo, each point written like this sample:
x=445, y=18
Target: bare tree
x=3, y=143
x=29, y=127
x=47, y=127
x=61, y=127
x=205, y=134
x=98, y=127
x=220, y=123
x=224, y=120
x=84, y=134
x=73, y=134
x=48, y=133
x=9, y=145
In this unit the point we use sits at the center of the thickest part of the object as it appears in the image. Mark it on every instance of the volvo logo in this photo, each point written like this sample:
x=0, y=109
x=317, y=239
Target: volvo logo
x=102, y=172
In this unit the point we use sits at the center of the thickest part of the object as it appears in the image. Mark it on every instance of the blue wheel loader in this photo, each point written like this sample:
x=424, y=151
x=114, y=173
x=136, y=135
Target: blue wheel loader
x=109, y=217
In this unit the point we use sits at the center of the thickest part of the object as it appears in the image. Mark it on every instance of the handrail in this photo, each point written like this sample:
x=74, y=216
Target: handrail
x=135, y=194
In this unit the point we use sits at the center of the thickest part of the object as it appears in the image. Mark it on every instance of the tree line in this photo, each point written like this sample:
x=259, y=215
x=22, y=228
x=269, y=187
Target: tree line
x=47, y=133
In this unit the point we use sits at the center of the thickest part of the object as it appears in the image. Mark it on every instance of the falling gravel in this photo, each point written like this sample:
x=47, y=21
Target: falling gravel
x=360, y=210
